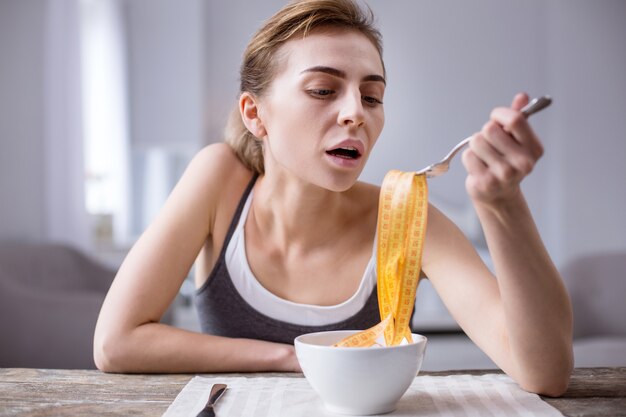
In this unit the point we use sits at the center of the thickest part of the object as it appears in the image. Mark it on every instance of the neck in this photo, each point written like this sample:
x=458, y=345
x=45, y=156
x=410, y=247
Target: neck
x=297, y=216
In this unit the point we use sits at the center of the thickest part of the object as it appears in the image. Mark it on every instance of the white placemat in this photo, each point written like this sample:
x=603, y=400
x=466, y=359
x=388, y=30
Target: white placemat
x=456, y=395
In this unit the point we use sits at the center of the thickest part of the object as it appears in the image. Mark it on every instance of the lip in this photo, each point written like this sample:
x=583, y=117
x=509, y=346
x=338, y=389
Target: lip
x=355, y=143
x=344, y=163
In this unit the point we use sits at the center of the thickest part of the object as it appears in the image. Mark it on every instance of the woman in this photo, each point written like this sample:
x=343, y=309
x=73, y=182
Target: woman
x=283, y=234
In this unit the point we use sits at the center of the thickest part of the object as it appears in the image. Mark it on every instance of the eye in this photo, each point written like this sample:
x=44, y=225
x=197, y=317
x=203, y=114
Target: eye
x=321, y=93
x=372, y=101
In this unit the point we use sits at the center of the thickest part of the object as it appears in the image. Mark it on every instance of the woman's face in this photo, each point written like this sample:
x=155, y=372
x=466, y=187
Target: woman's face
x=323, y=112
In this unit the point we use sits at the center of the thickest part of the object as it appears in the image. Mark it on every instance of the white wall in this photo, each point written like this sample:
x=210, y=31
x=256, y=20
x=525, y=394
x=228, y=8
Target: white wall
x=21, y=120
x=165, y=72
x=587, y=72
x=228, y=28
x=166, y=97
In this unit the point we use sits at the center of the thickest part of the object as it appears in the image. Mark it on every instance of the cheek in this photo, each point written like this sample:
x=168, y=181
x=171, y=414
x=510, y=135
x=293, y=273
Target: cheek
x=296, y=121
x=290, y=134
x=378, y=122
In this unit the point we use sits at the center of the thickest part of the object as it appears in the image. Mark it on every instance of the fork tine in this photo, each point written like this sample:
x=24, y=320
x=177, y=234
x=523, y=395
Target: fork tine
x=436, y=169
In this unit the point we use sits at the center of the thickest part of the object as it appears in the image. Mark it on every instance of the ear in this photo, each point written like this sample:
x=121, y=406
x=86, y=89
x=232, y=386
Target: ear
x=249, y=109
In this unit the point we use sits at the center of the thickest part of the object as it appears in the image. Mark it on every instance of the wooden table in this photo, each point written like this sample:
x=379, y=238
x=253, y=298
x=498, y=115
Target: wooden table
x=45, y=392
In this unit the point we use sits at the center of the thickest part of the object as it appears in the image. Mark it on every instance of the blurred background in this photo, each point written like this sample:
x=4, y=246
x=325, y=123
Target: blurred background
x=104, y=102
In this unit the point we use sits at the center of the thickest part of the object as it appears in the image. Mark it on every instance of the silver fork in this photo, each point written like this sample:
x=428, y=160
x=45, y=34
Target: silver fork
x=442, y=166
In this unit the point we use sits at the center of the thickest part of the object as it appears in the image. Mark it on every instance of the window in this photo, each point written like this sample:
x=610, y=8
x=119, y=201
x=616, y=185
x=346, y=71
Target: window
x=105, y=120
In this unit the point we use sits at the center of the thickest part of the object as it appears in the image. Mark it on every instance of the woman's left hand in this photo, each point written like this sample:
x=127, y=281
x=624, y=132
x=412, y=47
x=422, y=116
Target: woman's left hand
x=501, y=155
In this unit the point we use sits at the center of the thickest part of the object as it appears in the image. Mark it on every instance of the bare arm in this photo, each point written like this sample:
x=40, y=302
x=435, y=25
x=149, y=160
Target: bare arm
x=537, y=310
x=522, y=319
x=129, y=337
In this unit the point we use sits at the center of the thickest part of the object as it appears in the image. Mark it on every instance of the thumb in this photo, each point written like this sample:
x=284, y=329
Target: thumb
x=519, y=101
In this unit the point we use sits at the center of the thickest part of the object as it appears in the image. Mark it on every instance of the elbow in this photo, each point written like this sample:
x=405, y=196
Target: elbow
x=552, y=382
x=550, y=371
x=103, y=361
x=108, y=353
x=549, y=388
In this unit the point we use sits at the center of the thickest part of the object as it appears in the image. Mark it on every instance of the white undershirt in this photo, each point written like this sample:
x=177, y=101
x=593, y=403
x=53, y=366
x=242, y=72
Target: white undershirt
x=278, y=308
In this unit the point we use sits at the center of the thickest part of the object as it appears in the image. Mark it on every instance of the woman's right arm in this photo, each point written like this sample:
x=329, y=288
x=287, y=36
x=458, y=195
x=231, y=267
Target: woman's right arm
x=128, y=335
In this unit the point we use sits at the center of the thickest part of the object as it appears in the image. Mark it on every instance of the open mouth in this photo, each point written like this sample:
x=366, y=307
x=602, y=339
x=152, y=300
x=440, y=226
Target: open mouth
x=348, y=152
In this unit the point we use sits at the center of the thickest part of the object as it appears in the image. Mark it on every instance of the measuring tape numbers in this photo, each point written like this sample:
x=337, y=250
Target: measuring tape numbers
x=402, y=217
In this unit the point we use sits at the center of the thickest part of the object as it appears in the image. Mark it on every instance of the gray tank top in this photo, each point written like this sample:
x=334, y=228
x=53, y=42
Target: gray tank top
x=222, y=310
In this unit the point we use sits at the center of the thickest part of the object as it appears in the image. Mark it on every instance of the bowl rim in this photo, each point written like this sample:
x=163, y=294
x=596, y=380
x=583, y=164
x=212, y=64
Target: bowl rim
x=421, y=340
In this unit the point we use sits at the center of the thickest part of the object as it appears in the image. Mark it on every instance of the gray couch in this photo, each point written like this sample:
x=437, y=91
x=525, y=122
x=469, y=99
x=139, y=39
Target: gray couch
x=597, y=287
x=50, y=297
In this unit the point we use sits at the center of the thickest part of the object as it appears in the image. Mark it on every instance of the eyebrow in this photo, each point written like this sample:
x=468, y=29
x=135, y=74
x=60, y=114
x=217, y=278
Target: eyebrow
x=341, y=74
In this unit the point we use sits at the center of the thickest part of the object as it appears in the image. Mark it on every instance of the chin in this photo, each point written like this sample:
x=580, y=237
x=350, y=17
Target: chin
x=340, y=183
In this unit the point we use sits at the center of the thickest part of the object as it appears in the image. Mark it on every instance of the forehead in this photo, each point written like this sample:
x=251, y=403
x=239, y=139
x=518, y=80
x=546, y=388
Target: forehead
x=333, y=47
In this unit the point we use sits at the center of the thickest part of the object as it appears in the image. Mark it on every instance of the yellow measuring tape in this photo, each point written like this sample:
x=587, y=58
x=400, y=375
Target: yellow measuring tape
x=402, y=215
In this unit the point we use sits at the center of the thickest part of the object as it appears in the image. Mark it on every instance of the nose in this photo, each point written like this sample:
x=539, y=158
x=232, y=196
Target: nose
x=351, y=112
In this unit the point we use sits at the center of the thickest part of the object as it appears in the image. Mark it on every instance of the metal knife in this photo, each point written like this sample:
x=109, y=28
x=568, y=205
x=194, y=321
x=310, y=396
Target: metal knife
x=216, y=392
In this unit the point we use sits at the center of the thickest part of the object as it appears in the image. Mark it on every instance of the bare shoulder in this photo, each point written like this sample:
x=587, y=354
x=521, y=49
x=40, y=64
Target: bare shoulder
x=221, y=178
x=441, y=230
x=207, y=185
x=217, y=170
x=227, y=177
x=217, y=163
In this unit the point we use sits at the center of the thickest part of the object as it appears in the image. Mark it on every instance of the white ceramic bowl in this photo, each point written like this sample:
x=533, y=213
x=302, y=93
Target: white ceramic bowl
x=358, y=380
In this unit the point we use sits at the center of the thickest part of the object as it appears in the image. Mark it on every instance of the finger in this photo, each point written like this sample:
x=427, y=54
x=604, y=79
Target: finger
x=519, y=101
x=513, y=153
x=480, y=180
x=472, y=163
x=509, y=118
x=506, y=167
x=515, y=123
x=510, y=115
x=502, y=141
x=485, y=151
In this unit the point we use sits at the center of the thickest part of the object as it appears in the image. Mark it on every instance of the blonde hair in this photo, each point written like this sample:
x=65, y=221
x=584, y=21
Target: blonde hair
x=259, y=63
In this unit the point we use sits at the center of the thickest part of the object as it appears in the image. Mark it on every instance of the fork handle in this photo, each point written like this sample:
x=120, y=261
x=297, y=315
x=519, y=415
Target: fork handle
x=536, y=105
